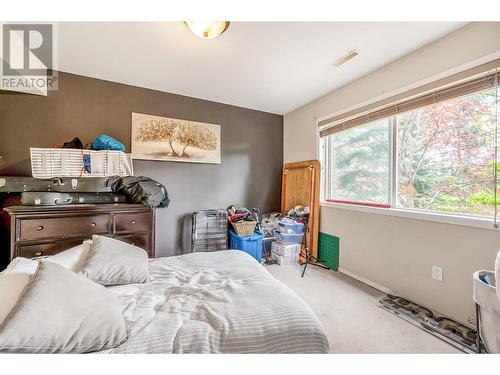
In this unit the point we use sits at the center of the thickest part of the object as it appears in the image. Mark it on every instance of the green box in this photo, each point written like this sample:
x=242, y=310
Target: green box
x=328, y=250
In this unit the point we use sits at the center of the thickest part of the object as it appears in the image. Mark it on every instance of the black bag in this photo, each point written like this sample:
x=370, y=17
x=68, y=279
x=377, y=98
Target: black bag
x=141, y=189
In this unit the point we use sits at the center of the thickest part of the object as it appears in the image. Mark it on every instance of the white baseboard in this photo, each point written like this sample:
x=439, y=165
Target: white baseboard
x=367, y=282
x=386, y=290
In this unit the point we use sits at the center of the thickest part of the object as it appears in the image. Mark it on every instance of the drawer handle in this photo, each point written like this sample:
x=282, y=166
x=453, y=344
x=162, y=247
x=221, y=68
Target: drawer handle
x=40, y=227
x=38, y=253
x=93, y=225
x=132, y=221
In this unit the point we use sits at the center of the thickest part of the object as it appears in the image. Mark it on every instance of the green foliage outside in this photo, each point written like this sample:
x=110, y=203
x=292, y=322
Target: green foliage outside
x=445, y=158
x=361, y=163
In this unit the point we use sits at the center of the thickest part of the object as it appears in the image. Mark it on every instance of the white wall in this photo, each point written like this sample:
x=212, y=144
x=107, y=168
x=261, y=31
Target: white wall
x=398, y=252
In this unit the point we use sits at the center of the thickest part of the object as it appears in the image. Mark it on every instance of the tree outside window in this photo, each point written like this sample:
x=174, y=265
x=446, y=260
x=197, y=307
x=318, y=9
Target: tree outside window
x=444, y=161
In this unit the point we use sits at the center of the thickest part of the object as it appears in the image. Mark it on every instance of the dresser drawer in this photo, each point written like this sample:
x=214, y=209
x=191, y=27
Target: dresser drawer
x=139, y=240
x=31, y=251
x=48, y=230
x=37, y=228
x=132, y=222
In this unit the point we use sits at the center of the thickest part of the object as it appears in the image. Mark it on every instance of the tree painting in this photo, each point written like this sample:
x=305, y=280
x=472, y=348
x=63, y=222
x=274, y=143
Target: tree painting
x=158, y=130
x=194, y=135
x=445, y=158
x=161, y=138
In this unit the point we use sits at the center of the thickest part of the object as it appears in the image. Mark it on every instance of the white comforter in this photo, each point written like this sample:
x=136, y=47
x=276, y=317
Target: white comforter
x=221, y=302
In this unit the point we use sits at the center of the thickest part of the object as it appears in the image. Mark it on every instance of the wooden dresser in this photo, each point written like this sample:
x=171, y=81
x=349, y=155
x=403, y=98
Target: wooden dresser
x=48, y=230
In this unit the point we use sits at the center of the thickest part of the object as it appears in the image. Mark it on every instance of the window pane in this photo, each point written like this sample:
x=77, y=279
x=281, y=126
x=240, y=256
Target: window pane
x=359, y=163
x=446, y=156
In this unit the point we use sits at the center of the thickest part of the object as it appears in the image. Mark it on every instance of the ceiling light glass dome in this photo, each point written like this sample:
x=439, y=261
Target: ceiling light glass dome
x=207, y=30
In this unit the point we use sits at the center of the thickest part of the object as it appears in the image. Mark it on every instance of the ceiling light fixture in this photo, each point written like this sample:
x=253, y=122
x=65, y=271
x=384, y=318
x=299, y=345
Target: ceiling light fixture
x=207, y=30
x=349, y=55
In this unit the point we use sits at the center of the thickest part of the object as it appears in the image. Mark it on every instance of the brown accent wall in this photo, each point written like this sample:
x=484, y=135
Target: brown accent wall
x=252, y=145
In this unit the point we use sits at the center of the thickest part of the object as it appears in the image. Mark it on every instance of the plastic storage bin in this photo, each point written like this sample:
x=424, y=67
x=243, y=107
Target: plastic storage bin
x=295, y=228
x=284, y=261
x=288, y=238
x=249, y=244
x=286, y=250
x=285, y=254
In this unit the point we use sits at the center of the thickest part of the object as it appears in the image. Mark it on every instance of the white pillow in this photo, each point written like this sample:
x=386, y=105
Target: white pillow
x=114, y=262
x=20, y=271
x=72, y=259
x=13, y=281
x=62, y=312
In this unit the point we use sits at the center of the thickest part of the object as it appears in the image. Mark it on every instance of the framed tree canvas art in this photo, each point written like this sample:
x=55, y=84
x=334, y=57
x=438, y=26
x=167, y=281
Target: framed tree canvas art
x=170, y=139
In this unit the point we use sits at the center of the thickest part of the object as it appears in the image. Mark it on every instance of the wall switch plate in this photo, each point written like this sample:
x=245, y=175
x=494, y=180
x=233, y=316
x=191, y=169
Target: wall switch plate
x=437, y=273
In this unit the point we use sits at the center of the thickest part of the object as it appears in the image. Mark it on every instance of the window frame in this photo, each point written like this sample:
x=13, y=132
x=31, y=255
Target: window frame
x=433, y=216
x=392, y=208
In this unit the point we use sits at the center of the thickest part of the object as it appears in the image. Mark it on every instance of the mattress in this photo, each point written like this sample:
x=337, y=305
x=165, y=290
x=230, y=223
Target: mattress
x=220, y=302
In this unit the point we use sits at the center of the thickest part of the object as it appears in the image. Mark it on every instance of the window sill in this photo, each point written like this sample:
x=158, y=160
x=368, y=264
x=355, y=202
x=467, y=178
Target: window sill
x=464, y=220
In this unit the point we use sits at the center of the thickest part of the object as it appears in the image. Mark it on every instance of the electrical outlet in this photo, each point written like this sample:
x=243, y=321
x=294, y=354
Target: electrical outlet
x=437, y=273
x=471, y=320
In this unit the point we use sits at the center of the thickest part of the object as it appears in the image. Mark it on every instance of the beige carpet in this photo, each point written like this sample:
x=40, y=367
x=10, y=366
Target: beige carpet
x=351, y=317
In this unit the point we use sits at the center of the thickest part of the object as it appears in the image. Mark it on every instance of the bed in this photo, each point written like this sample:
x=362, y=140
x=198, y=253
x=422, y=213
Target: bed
x=220, y=302
x=105, y=296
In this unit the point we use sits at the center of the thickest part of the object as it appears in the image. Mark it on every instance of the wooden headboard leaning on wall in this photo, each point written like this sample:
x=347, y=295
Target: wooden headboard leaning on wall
x=300, y=186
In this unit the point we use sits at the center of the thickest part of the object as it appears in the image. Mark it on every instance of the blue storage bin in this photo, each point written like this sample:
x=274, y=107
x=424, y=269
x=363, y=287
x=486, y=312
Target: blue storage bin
x=289, y=238
x=249, y=244
x=295, y=228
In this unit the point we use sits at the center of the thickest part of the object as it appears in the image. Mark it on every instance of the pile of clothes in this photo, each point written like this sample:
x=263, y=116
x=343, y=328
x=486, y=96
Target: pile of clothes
x=296, y=216
x=237, y=214
x=102, y=142
x=269, y=224
x=299, y=213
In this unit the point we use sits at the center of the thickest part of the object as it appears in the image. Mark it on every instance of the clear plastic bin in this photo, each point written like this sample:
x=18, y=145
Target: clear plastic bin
x=289, y=238
x=285, y=250
x=295, y=228
x=284, y=261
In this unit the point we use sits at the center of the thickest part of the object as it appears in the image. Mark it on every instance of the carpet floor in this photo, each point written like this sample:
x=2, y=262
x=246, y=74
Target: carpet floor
x=349, y=313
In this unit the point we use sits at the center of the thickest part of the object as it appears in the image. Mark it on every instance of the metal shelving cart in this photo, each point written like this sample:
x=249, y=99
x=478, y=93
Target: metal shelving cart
x=209, y=230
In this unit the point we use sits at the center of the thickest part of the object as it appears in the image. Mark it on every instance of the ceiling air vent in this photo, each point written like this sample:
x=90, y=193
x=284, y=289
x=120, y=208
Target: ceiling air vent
x=349, y=55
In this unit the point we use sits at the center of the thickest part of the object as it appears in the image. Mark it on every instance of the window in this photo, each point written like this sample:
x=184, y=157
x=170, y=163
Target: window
x=446, y=154
x=359, y=161
x=439, y=157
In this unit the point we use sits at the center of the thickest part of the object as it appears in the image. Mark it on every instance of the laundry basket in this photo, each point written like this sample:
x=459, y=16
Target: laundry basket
x=488, y=310
x=66, y=162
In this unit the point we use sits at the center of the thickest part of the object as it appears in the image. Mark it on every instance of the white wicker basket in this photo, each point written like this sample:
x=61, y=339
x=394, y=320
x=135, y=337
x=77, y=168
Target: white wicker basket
x=65, y=162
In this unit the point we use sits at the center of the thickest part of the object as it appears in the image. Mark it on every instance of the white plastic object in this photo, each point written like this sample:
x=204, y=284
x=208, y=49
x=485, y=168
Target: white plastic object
x=65, y=162
x=485, y=295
